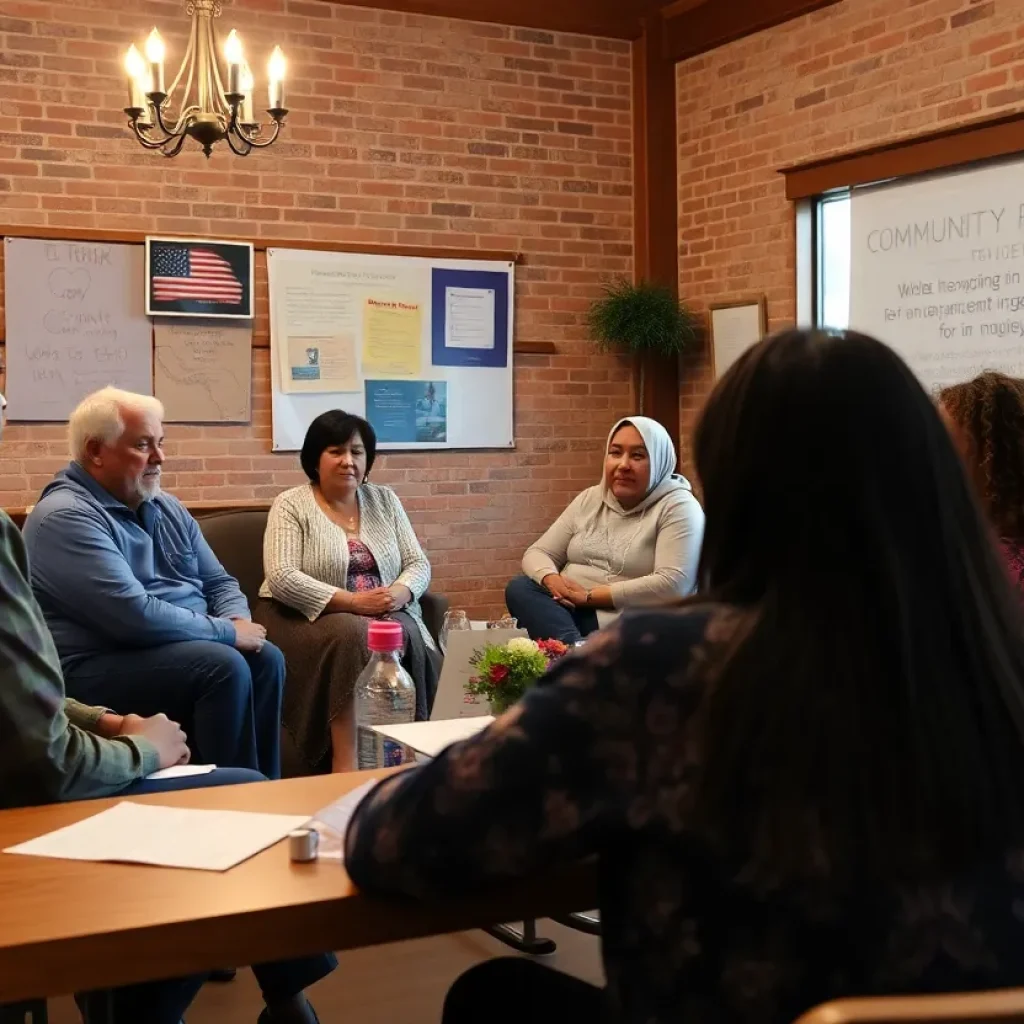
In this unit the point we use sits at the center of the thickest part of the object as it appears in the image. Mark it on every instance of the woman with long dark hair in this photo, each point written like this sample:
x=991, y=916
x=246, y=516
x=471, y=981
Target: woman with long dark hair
x=986, y=416
x=807, y=784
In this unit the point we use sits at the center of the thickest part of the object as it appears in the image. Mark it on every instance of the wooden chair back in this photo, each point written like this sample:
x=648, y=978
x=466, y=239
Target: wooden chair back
x=1005, y=1005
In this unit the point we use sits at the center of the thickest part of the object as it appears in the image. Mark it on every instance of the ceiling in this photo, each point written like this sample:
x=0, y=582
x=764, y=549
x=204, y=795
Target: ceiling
x=685, y=27
x=619, y=19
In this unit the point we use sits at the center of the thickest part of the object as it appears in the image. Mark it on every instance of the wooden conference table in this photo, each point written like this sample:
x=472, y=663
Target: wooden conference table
x=68, y=926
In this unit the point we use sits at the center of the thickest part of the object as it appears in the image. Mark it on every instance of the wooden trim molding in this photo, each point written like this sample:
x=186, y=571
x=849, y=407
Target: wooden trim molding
x=615, y=19
x=261, y=244
x=261, y=335
x=656, y=208
x=922, y=154
x=709, y=25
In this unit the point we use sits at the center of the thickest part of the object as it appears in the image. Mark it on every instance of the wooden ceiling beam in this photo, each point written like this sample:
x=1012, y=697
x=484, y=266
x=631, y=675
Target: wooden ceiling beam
x=693, y=31
x=610, y=18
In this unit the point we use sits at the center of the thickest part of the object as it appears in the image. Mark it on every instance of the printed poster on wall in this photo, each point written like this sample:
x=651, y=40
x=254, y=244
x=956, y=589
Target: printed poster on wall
x=408, y=412
x=937, y=271
x=469, y=318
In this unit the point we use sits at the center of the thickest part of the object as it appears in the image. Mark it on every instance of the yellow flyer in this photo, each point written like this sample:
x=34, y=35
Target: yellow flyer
x=392, y=338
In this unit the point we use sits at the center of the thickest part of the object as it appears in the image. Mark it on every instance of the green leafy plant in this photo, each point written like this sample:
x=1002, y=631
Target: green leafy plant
x=641, y=318
x=504, y=672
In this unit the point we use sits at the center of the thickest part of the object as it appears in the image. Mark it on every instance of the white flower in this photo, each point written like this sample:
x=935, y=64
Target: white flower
x=523, y=644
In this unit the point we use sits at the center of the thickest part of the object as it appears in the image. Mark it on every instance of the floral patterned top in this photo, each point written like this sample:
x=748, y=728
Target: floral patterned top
x=597, y=762
x=363, y=573
x=1013, y=555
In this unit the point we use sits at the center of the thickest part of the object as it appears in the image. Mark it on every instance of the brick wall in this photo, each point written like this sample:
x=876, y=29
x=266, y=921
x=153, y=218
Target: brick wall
x=860, y=73
x=405, y=130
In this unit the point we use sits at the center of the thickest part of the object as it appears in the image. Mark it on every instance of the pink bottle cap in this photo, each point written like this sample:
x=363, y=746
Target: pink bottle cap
x=385, y=636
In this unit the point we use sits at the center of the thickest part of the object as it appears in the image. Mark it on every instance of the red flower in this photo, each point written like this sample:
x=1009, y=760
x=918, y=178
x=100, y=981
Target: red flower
x=552, y=649
x=499, y=673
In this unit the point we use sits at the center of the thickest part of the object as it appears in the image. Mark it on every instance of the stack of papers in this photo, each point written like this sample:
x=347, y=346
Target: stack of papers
x=172, y=837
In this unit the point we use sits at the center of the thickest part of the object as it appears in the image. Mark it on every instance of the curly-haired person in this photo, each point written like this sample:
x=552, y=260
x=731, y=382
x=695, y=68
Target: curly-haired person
x=986, y=417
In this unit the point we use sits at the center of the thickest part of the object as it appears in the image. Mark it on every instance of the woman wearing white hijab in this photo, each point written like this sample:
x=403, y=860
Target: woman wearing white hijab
x=631, y=541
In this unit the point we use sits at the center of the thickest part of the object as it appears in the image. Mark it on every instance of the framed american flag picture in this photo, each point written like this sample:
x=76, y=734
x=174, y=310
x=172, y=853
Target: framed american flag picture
x=189, y=277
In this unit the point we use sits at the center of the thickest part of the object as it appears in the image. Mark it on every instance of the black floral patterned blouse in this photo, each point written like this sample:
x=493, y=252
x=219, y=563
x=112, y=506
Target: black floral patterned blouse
x=598, y=762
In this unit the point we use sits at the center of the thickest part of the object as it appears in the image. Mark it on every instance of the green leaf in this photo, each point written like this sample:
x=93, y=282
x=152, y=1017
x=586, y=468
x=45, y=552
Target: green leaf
x=641, y=317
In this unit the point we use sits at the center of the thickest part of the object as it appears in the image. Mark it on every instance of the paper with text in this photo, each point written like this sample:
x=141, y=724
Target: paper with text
x=202, y=372
x=469, y=318
x=392, y=336
x=937, y=271
x=171, y=837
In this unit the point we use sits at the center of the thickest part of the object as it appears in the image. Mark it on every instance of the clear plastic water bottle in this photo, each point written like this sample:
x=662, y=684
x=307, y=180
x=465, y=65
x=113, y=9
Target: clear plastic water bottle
x=384, y=695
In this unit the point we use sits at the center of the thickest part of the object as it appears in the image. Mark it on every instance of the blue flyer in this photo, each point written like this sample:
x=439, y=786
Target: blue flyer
x=408, y=411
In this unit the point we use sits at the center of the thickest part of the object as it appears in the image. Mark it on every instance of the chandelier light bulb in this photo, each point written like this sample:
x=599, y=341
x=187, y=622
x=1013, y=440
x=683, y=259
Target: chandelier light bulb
x=246, y=85
x=155, y=49
x=277, y=65
x=233, y=48
x=134, y=64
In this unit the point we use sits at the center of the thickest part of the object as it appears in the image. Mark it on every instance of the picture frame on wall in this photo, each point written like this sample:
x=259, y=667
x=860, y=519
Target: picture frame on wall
x=735, y=327
x=191, y=277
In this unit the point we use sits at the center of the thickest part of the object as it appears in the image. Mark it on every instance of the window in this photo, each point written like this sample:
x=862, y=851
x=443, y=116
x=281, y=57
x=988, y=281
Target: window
x=833, y=271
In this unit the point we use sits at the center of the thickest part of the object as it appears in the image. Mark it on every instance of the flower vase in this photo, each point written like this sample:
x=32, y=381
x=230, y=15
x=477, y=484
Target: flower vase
x=499, y=705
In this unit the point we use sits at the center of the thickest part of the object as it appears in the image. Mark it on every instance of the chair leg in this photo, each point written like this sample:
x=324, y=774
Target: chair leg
x=525, y=941
x=589, y=924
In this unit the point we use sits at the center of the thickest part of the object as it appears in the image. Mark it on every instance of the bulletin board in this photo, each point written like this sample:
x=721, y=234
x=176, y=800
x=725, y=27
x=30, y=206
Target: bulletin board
x=422, y=348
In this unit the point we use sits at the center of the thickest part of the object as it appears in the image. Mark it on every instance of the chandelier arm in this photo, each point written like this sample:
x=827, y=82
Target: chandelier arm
x=185, y=63
x=143, y=137
x=176, y=148
x=239, y=150
x=172, y=133
x=219, y=99
x=258, y=143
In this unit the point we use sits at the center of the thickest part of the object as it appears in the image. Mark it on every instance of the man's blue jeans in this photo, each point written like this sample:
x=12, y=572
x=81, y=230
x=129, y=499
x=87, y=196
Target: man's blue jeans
x=229, y=703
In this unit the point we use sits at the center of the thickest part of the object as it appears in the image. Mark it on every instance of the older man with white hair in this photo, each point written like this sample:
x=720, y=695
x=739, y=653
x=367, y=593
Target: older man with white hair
x=144, y=616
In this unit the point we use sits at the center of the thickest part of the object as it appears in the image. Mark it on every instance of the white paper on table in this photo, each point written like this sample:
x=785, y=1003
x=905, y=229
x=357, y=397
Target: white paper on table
x=173, y=837
x=182, y=771
x=431, y=738
x=332, y=821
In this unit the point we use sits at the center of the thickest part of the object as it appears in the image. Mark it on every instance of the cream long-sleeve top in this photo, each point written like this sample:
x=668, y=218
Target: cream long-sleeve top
x=647, y=555
x=306, y=557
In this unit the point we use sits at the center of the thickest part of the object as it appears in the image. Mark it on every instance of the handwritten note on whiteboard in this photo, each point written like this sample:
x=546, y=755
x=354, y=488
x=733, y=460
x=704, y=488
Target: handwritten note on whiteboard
x=75, y=323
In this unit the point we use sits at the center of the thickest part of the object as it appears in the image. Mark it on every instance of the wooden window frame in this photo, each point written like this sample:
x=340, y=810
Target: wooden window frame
x=971, y=143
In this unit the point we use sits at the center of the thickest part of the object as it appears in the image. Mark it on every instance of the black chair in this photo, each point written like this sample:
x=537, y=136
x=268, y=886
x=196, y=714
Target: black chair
x=236, y=536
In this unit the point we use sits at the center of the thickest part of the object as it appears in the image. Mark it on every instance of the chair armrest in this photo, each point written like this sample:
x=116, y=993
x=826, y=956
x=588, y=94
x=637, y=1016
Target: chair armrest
x=434, y=607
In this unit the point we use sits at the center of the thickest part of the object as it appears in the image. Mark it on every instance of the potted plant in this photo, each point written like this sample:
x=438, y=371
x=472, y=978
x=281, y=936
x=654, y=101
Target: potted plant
x=504, y=672
x=641, y=318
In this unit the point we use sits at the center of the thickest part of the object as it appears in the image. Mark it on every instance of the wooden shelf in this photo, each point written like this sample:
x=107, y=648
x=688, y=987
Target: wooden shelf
x=261, y=245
